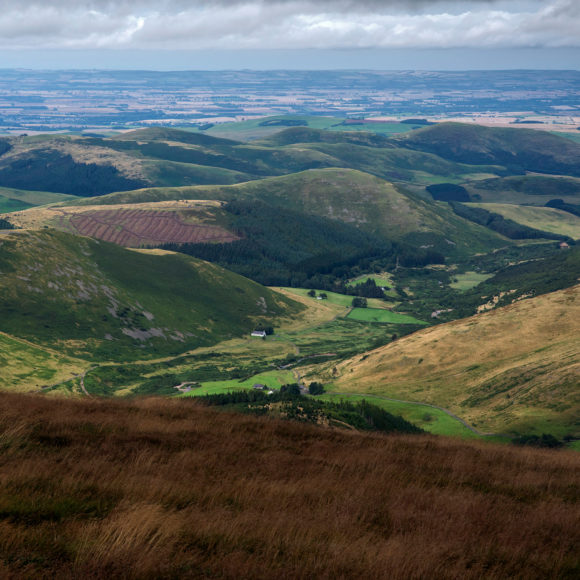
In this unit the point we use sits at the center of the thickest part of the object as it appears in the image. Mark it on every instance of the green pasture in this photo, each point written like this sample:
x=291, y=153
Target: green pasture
x=383, y=279
x=272, y=379
x=340, y=299
x=8, y=205
x=430, y=419
x=382, y=315
x=469, y=280
x=547, y=219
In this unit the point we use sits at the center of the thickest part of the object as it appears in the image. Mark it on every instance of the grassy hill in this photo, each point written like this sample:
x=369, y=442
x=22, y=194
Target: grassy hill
x=265, y=127
x=12, y=200
x=170, y=489
x=356, y=198
x=541, y=218
x=518, y=149
x=97, y=300
x=525, y=189
x=515, y=368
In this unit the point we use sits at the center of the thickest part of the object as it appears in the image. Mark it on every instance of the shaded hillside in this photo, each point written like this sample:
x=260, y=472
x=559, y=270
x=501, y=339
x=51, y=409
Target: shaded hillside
x=193, y=148
x=169, y=489
x=296, y=135
x=97, y=300
x=48, y=170
x=515, y=368
x=165, y=134
x=518, y=149
x=373, y=154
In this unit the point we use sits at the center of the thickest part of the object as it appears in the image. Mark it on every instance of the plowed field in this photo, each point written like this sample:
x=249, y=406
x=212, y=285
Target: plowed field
x=136, y=227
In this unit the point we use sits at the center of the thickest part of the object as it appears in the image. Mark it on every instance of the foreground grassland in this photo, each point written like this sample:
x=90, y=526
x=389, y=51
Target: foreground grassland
x=169, y=489
x=513, y=369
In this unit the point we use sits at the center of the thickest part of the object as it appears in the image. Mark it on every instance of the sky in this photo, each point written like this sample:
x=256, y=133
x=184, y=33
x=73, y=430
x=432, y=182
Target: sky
x=299, y=34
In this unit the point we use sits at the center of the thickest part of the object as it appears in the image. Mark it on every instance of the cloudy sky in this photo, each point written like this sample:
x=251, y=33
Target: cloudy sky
x=290, y=33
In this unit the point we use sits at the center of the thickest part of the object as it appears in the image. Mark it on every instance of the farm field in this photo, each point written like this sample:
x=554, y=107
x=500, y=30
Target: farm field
x=547, y=219
x=383, y=316
x=468, y=280
x=271, y=379
x=338, y=299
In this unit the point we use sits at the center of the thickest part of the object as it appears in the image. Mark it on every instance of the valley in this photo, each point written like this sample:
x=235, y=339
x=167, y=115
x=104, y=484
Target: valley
x=139, y=263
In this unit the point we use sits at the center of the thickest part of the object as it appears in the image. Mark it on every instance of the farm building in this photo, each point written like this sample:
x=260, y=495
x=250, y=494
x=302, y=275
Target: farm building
x=259, y=333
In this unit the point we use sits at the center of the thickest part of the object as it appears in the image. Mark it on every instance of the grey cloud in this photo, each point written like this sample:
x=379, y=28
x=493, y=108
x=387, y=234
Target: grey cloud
x=287, y=24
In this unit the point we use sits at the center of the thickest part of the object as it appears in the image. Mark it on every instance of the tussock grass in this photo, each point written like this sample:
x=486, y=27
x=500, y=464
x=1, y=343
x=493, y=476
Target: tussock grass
x=165, y=489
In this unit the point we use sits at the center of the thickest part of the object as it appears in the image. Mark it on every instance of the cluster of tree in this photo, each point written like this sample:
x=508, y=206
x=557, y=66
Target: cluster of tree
x=562, y=205
x=6, y=225
x=448, y=192
x=294, y=406
x=322, y=295
x=359, y=302
x=367, y=289
x=289, y=248
x=501, y=225
x=315, y=388
x=544, y=440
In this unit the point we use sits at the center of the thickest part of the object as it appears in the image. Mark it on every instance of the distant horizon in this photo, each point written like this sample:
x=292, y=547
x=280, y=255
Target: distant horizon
x=433, y=60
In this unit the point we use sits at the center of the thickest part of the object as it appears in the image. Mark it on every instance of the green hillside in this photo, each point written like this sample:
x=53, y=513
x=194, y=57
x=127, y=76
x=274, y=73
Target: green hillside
x=547, y=219
x=517, y=149
x=356, y=198
x=265, y=127
x=97, y=300
x=525, y=189
x=17, y=199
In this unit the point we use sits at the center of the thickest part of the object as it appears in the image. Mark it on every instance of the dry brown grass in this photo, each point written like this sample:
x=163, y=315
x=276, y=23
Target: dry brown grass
x=529, y=350
x=167, y=489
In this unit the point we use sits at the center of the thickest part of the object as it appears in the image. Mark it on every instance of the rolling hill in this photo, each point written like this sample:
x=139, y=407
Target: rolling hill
x=514, y=369
x=517, y=149
x=96, y=300
x=371, y=204
x=525, y=189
